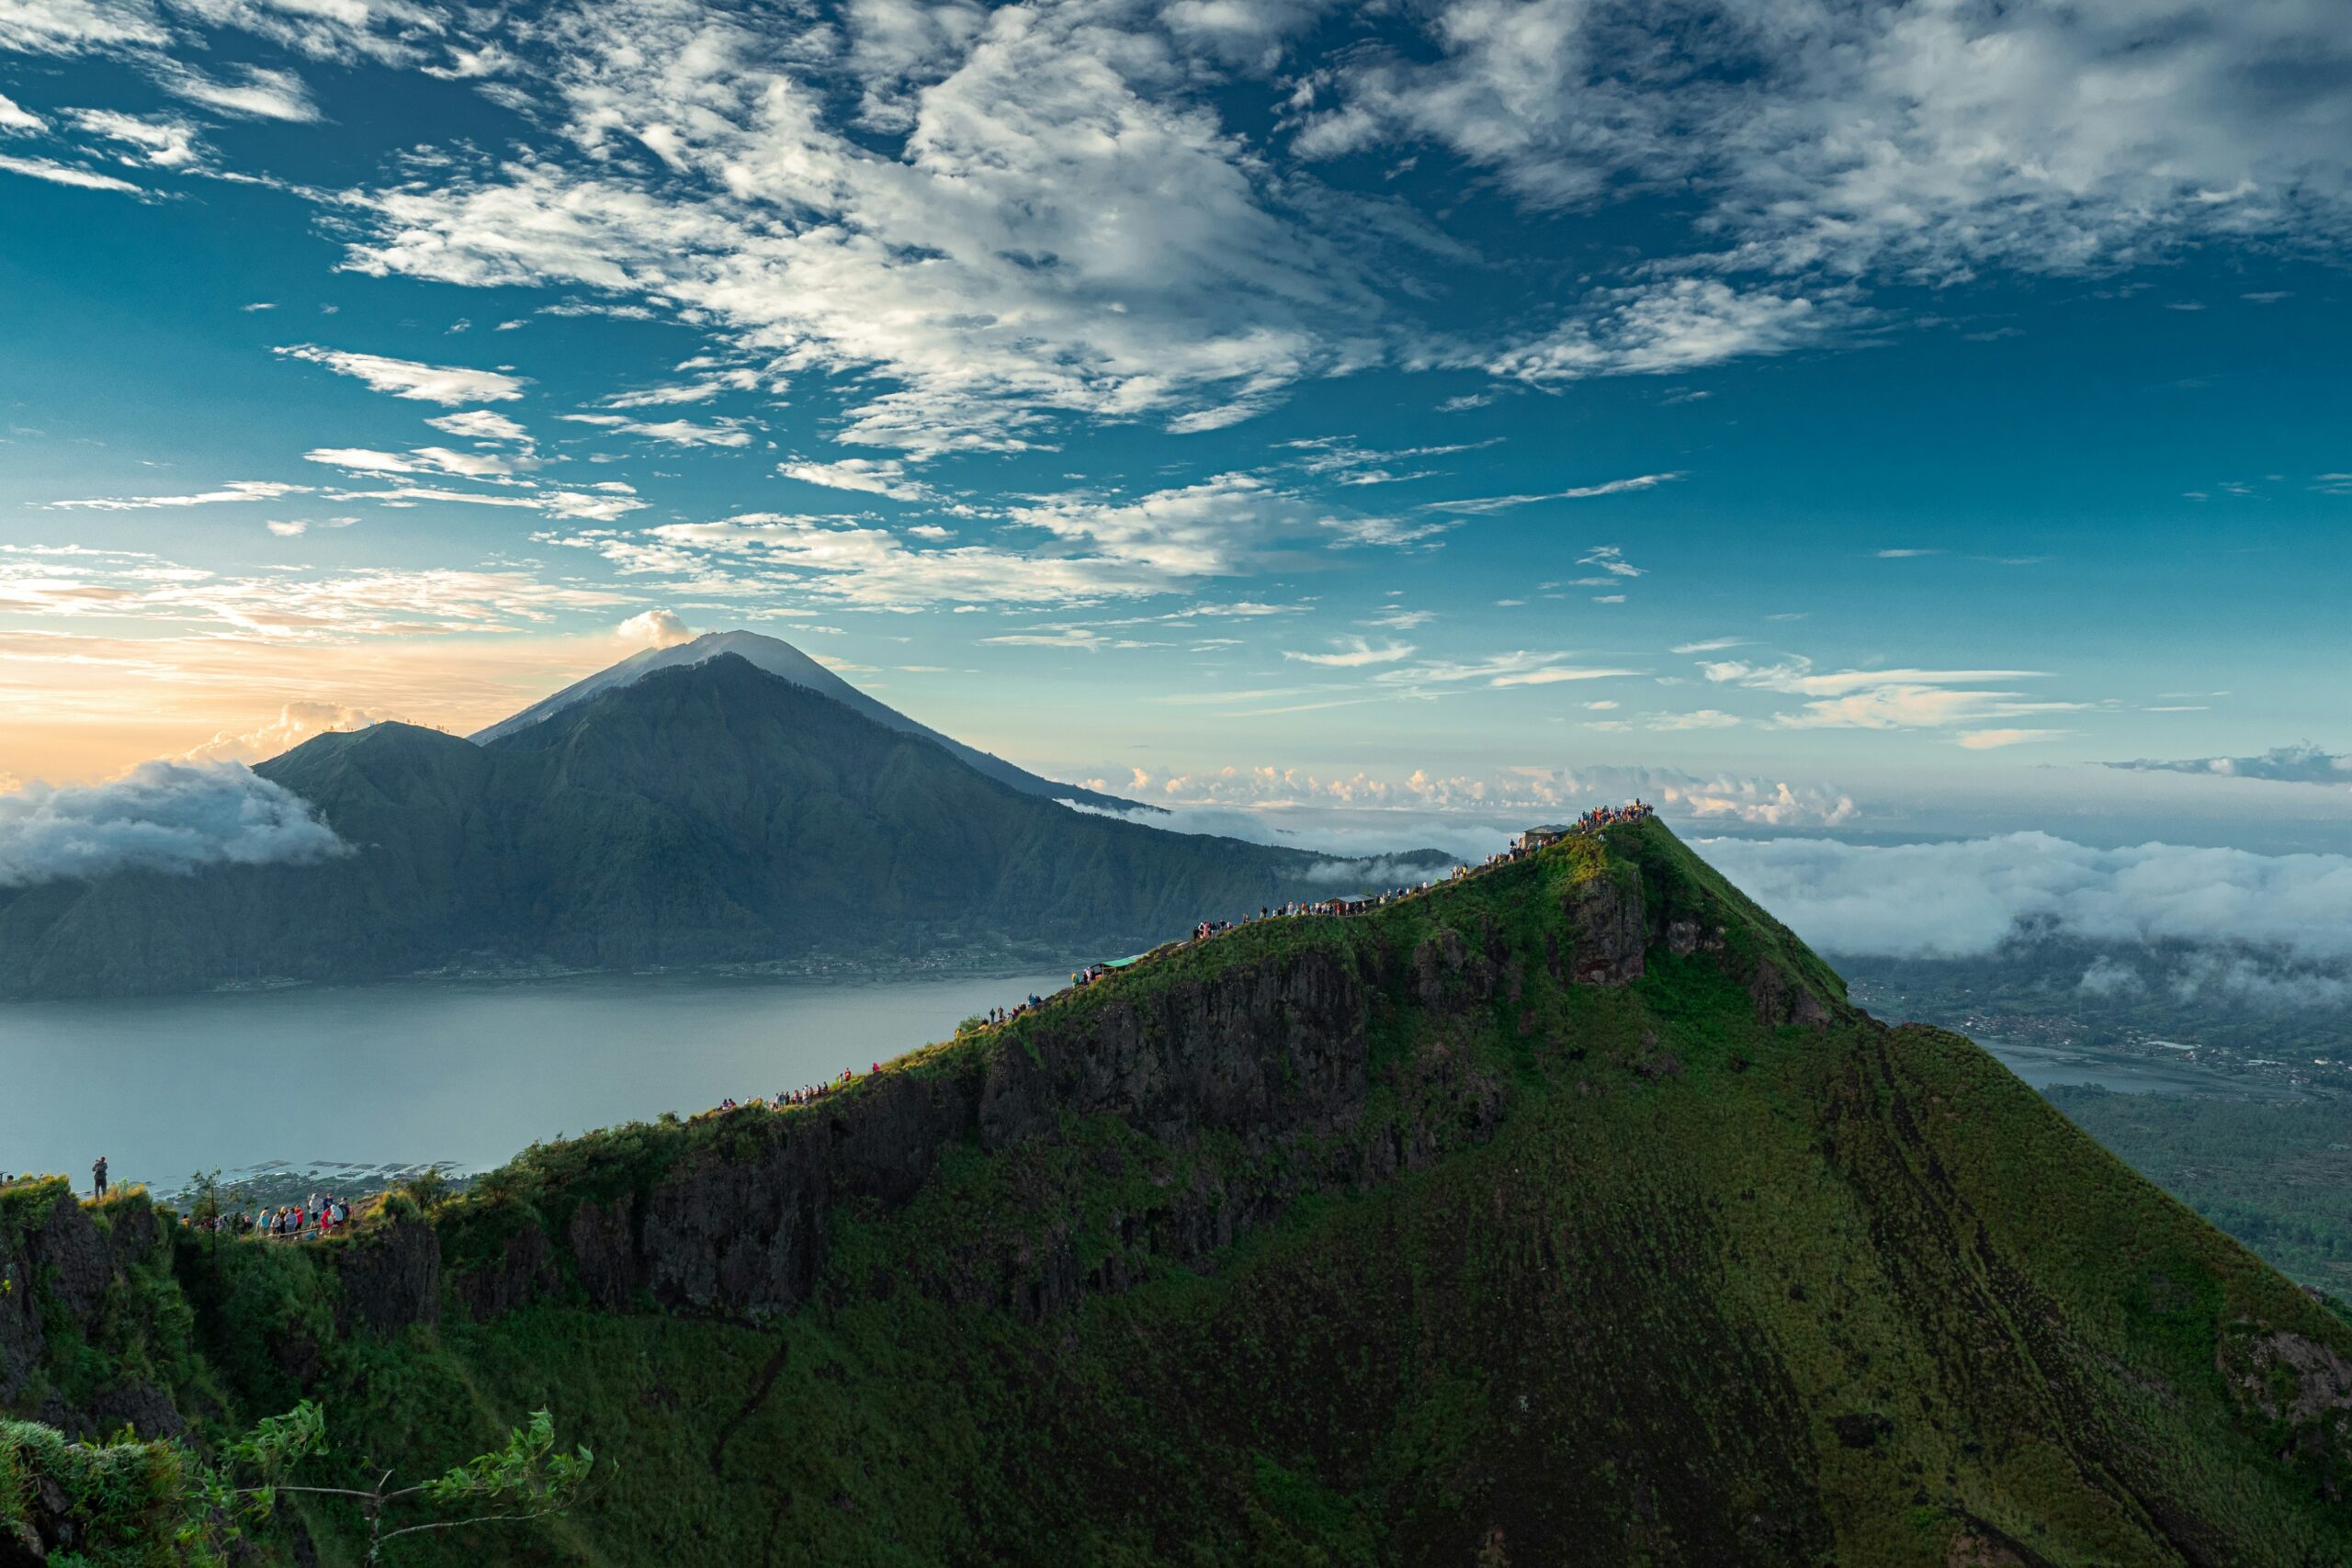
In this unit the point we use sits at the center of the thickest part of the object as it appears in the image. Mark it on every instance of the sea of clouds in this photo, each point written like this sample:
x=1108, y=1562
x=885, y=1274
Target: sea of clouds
x=1964, y=899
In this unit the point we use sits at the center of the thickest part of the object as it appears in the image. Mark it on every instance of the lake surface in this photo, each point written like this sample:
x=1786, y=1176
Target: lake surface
x=470, y=1073
x=414, y=1074
x=2044, y=1066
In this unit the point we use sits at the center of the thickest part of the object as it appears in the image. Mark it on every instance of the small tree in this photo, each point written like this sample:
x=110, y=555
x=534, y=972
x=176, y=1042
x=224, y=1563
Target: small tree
x=429, y=1188
x=204, y=1196
x=524, y=1479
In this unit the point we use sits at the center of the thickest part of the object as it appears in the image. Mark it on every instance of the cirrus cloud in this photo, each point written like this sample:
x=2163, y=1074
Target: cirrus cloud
x=446, y=384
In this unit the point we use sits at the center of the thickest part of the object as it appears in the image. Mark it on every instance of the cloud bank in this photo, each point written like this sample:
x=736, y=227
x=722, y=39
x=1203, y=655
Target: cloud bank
x=163, y=817
x=1963, y=899
x=2301, y=763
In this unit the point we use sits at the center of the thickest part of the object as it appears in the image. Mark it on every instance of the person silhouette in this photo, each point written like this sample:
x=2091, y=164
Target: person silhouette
x=98, y=1177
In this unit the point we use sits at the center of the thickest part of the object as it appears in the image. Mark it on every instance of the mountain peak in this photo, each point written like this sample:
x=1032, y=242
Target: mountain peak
x=780, y=659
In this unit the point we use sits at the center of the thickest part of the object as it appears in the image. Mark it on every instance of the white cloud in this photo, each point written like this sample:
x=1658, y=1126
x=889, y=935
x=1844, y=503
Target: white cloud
x=1502, y=670
x=1658, y=329
x=1887, y=699
x=257, y=94
x=1095, y=549
x=66, y=175
x=699, y=391
x=1481, y=505
x=420, y=460
x=982, y=220
x=1262, y=796
x=1700, y=718
x=481, y=425
x=1340, y=458
x=234, y=491
x=1610, y=560
x=393, y=32
x=288, y=605
x=17, y=121
x=655, y=628
x=871, y=476
x=761, y=555
x=1355, y=653
x=1958, y=899
x=1922, y=142
x=600, y=504
x=445, y=384
x=2301, y=763
x=1215, y=528
x=1063, y=227
x=161, y=816
x=75, y=27
x=1085, y=639
x=165, y=144
x=295, y=722
x=674, y=431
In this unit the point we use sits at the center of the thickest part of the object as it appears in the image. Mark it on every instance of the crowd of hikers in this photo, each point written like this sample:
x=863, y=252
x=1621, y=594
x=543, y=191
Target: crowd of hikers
x=1601, y=817
x=1527, y=844
x=808, y=1094
x=309, y=1221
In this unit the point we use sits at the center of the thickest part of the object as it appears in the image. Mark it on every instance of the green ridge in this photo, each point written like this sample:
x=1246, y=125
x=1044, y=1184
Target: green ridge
x=1578, y=1272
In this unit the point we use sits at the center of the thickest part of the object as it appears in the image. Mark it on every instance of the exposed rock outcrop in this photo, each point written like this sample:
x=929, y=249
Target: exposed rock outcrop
x=59, y=1266
x=1612, y=933
x=523, y=1271
x=1267, y=1053
x=391, y=1277
x=2301, y=1386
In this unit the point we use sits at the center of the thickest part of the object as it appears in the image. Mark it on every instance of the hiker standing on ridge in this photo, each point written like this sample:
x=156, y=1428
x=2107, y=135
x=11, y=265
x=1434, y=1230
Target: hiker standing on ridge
x=99, y=1179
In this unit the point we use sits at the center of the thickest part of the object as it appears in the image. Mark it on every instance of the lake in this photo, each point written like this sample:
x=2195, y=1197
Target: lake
x=2044, y=1066
x=411, y=1074
x=470, y=1073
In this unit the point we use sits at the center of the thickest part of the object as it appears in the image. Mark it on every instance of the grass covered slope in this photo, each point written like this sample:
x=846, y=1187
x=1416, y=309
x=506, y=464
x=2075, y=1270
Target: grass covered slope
x=1566, y=1215
x=2275, y=1174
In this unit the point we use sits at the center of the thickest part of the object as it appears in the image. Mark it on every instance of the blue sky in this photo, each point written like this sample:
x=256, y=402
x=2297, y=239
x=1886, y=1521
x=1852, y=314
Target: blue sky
x=1871, y=418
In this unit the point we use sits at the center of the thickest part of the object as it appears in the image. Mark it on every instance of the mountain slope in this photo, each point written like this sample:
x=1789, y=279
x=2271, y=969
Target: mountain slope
x=705, y=814
x=1564, y=1215
x=781, y=659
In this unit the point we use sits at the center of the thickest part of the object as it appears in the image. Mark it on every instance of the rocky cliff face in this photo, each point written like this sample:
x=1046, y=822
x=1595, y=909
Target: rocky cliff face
x=65, y=1270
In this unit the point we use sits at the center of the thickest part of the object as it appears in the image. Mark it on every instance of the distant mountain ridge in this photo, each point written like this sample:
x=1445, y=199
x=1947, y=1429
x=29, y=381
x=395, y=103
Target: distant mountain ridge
x=781, y=659
x=709, y=813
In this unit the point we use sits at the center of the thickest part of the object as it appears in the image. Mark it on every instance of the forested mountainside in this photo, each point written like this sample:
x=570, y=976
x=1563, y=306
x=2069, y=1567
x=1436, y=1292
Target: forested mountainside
x=703, y=814
x=1565, y=1213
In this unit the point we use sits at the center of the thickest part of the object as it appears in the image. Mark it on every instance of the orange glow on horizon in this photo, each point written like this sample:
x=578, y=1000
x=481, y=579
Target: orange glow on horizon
x=82, y=708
